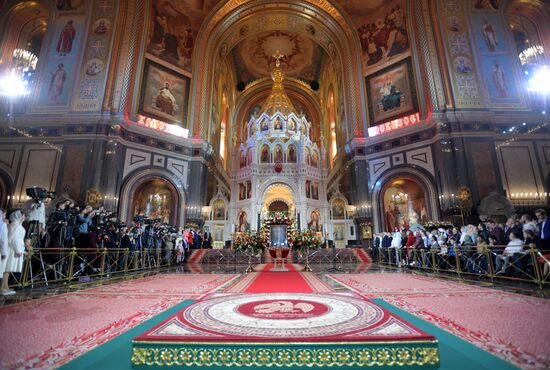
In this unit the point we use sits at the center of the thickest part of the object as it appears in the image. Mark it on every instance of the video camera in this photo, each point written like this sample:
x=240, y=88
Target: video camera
x=39, y=194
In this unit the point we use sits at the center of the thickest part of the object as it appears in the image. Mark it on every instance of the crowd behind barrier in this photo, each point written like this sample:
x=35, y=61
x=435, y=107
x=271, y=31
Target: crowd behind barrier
x=80, y=243
x=519, y=249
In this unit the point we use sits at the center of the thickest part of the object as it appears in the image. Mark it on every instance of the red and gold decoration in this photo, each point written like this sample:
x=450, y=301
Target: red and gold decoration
x=278, y=167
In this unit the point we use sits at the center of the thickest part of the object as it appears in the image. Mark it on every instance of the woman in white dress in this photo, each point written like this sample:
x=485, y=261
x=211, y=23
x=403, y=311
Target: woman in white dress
x=16, y=246
x=3, y=253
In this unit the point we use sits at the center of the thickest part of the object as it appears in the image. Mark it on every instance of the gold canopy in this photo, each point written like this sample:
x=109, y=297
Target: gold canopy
x=277, y=101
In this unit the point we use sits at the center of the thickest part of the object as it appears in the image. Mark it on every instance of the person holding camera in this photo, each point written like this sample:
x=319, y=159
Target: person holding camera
x=58, y=226
x=83, y=222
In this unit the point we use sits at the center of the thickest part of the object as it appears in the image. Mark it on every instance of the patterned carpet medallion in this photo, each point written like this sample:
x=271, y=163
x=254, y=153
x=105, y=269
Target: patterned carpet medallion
x=285, y=329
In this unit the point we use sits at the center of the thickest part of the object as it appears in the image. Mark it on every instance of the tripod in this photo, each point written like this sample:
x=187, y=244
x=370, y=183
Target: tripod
x=334, y=268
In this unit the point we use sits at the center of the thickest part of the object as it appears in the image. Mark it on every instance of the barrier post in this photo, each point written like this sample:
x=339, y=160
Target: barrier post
x=72, y=256
x=102, y=264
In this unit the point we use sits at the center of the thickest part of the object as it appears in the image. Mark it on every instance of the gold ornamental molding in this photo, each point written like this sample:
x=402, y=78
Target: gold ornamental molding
x=386, y=357
x=318, y=20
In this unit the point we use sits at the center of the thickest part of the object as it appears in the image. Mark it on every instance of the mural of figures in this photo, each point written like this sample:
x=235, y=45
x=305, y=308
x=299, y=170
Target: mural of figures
x=338, y=232
x=314, y=222
x=66, y=39
x=308, y=189
x=164, y=94
x=490, y=36
x=382, y=31
x=242, y=191
x=390, y=92
x=291, y=156
x=499, y=80
x=154, y=199
x=173, y=28
x=243, y=222
x=219, y=210
x=249, y=156
x=242, y=159
x=314, y=159
x=278, y=155
x=60, y=62
x=315, y=191
x=338, y=210
x=264, y=156
x=101, y=26
x=248, y=189
x=57, y=82
x=404, y=204
x=463, y=65
x=69, y=5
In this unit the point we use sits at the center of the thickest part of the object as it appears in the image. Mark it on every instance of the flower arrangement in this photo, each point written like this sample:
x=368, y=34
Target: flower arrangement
x=305, y=239
x=279, y=218
x=249, y=241
x=432, y=225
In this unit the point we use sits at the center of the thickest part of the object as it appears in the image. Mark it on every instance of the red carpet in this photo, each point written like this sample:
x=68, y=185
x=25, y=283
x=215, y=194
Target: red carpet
x=361, y=255
x=46, y=333
x=279, y=282
x=512, y=326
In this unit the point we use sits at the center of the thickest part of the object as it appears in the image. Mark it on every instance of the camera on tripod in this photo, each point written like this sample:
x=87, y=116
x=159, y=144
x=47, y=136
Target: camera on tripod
x=39, y=194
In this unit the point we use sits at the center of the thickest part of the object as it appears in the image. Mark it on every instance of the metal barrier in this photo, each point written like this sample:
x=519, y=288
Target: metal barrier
x=231, y=257
x=45, y=266
x=529, y=266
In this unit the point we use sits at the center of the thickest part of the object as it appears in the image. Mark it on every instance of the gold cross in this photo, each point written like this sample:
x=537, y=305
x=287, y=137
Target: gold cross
x=278, y=56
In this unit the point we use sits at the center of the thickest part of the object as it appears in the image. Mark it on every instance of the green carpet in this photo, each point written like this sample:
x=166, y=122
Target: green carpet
x=454, y=353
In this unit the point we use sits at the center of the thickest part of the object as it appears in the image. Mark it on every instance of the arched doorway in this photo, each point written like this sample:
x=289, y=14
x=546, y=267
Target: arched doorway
x=404, y=180
x=404, y=203
x=278, y=197
x=155, y=198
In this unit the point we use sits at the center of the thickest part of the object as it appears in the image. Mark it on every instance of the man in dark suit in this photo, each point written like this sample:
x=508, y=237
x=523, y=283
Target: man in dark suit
x=207, y=239
x=512, y=226
x=544, y=229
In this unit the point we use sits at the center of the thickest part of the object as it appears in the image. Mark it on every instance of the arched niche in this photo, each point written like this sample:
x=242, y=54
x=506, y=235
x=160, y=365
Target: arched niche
x=423, y=183
x=318, y=20
x=132, y=188
x=155, y=199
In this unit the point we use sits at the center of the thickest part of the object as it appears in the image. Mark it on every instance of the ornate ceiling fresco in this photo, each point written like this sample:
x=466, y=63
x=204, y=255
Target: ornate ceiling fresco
x=173, y=29
x=253, y=57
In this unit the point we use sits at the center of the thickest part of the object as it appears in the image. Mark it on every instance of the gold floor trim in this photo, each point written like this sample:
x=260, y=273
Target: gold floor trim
x=203, y=357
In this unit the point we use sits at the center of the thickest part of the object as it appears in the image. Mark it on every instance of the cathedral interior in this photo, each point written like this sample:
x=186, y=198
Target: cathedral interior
x=354, y=118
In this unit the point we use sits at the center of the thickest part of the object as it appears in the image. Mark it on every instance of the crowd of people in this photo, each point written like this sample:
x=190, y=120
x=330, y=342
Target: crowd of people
x=87, y=229
x=504, y=244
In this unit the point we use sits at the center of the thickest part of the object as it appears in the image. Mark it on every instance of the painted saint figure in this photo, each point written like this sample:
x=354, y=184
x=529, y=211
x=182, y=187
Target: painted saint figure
x=499, y=80
x=66, y=39
x=165, y=100
x=490, y=36
x=57, y=82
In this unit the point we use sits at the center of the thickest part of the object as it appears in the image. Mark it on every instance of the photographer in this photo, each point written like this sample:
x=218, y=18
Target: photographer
x=58, y=226
x=83, y=222
x=35, y=224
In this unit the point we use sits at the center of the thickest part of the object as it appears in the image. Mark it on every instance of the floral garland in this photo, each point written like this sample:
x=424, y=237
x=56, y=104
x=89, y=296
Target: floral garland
x=278, y=218
x=432, y=225
x=249, y=241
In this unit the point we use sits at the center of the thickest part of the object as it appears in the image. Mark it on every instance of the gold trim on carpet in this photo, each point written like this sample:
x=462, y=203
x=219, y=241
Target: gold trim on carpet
x=403, y=356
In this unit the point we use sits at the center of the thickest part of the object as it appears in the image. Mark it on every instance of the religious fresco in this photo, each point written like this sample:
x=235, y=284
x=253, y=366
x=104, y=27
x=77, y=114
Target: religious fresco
x=338, y=209
x=390, y=93
x=382, y=29
x=314, y=222
x=253, y=57
x=244, y=225
x=173, y=29
x=462, y=69
x=70, y=5
x=218, y=209
x=93, y=71
x=497, y=58
x=155, y=200
x=61, y=61
x=404, y=204
x=164, y=94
